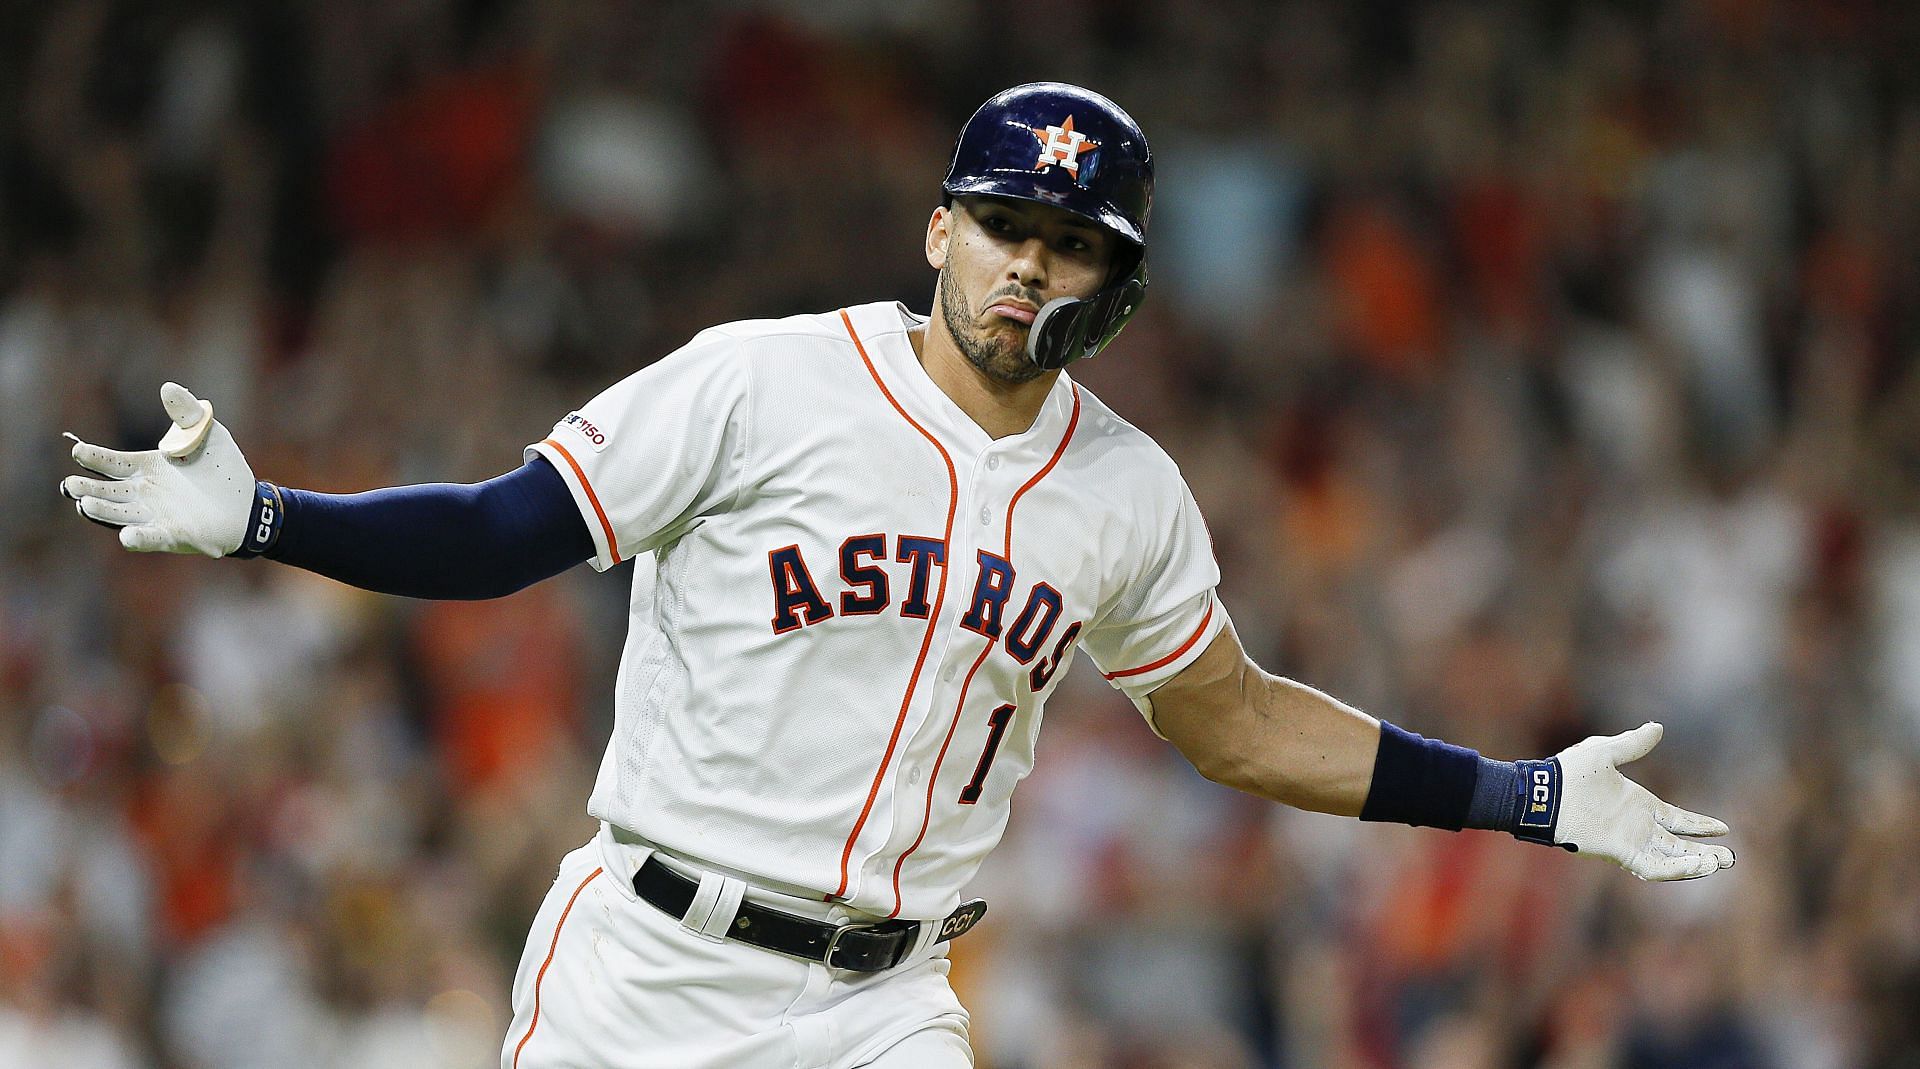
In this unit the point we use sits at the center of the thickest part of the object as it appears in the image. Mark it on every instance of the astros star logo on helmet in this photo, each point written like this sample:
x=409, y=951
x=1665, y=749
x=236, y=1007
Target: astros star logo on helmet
x=1061, y=146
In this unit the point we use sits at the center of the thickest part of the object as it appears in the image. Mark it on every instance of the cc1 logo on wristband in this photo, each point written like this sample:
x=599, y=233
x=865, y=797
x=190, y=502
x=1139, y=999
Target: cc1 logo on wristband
x=1539, y=800
x=263, y=522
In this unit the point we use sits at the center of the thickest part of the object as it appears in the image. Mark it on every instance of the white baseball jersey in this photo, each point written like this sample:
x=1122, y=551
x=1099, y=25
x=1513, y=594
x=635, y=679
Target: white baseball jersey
x=852, y=603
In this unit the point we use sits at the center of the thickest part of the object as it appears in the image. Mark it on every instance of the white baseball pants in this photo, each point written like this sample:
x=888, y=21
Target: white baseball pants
x=607, y=981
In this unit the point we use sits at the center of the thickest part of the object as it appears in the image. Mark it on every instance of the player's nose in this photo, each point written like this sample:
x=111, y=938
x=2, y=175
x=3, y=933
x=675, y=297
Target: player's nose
x=1029, y=264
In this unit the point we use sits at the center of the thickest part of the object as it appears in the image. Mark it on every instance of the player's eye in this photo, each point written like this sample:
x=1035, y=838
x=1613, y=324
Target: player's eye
x=999, y=224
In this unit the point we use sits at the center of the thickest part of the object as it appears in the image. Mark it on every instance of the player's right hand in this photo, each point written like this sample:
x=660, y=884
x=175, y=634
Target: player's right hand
x=192, y=494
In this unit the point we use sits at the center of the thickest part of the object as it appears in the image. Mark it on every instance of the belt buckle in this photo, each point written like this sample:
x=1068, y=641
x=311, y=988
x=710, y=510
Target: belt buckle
x=833, y=944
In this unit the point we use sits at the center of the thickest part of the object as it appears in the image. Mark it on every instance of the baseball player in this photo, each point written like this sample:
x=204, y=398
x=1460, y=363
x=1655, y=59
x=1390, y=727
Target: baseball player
x=867, y=546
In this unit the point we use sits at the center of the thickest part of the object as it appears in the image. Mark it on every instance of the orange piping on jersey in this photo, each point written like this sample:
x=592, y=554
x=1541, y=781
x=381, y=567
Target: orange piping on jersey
x=1006, y=553
x=613, y=547
x=551, y=948
x=933, y=620
x=1169, y=658
x=927, y=816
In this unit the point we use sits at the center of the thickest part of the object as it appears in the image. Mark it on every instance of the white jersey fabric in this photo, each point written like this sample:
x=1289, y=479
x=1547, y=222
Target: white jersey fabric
x=851, y=603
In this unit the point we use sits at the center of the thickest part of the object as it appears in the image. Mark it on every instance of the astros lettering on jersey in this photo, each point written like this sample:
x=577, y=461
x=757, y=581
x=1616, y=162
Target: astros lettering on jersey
x=841, y=643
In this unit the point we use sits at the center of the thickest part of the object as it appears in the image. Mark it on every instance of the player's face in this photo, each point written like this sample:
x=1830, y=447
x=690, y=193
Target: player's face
x=1002, y=260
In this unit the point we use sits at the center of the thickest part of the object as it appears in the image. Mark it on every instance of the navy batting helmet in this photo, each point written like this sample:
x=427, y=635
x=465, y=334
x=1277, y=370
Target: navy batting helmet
x=1058, y=144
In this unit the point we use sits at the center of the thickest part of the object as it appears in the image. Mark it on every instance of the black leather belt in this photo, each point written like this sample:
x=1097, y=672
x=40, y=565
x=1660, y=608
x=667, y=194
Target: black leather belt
x=858, y=947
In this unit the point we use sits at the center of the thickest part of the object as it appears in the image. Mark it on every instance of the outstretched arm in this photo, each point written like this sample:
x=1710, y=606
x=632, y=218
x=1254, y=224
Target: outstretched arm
x=1267, y=736
x=1288, y=742
x=438, y=540
x=196, y=494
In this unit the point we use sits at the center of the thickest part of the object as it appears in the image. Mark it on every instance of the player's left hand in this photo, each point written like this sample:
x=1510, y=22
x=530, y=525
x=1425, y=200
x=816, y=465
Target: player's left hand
x=1603, y=812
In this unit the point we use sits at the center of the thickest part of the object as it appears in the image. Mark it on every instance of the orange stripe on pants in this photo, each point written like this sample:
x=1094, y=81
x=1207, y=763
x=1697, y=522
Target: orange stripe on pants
x=551, y=949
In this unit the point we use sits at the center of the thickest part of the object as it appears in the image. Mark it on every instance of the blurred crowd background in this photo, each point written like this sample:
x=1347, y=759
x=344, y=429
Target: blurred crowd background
x=1542, y=368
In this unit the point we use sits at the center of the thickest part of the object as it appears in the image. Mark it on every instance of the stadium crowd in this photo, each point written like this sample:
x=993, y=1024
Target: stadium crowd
x=1541, y=369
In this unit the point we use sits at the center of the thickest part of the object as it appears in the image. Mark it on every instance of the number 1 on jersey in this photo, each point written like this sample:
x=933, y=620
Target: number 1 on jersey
x=997, y=722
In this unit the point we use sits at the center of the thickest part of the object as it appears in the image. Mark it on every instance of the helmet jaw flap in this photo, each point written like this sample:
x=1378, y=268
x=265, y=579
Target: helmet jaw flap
x=1075, y=328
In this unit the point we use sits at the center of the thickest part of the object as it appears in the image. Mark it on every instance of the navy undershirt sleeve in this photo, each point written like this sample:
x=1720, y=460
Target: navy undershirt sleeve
x=438, y=540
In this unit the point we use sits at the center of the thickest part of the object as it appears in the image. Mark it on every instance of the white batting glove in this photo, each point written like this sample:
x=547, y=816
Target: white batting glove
x=1599, y=811
x=193, y=494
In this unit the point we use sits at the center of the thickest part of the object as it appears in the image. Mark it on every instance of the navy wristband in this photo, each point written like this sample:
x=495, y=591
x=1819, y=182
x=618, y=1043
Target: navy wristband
x=1518, y=797
x=1420, y=781
x=268, y=515
x=1496, y=796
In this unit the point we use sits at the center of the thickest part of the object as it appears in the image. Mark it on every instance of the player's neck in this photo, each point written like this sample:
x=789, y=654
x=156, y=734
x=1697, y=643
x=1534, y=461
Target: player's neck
x=1001, y=409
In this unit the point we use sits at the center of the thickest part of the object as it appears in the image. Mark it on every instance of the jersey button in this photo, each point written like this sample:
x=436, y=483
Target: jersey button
x=993, y=463
x=913, y=773
x=986, y=516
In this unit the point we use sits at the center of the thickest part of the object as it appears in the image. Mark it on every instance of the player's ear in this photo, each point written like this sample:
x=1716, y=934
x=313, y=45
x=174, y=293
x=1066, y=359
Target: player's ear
x=939, y=235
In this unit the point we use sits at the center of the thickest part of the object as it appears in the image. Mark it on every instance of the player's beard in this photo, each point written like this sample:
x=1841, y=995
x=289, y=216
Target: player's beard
x=999, y=355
